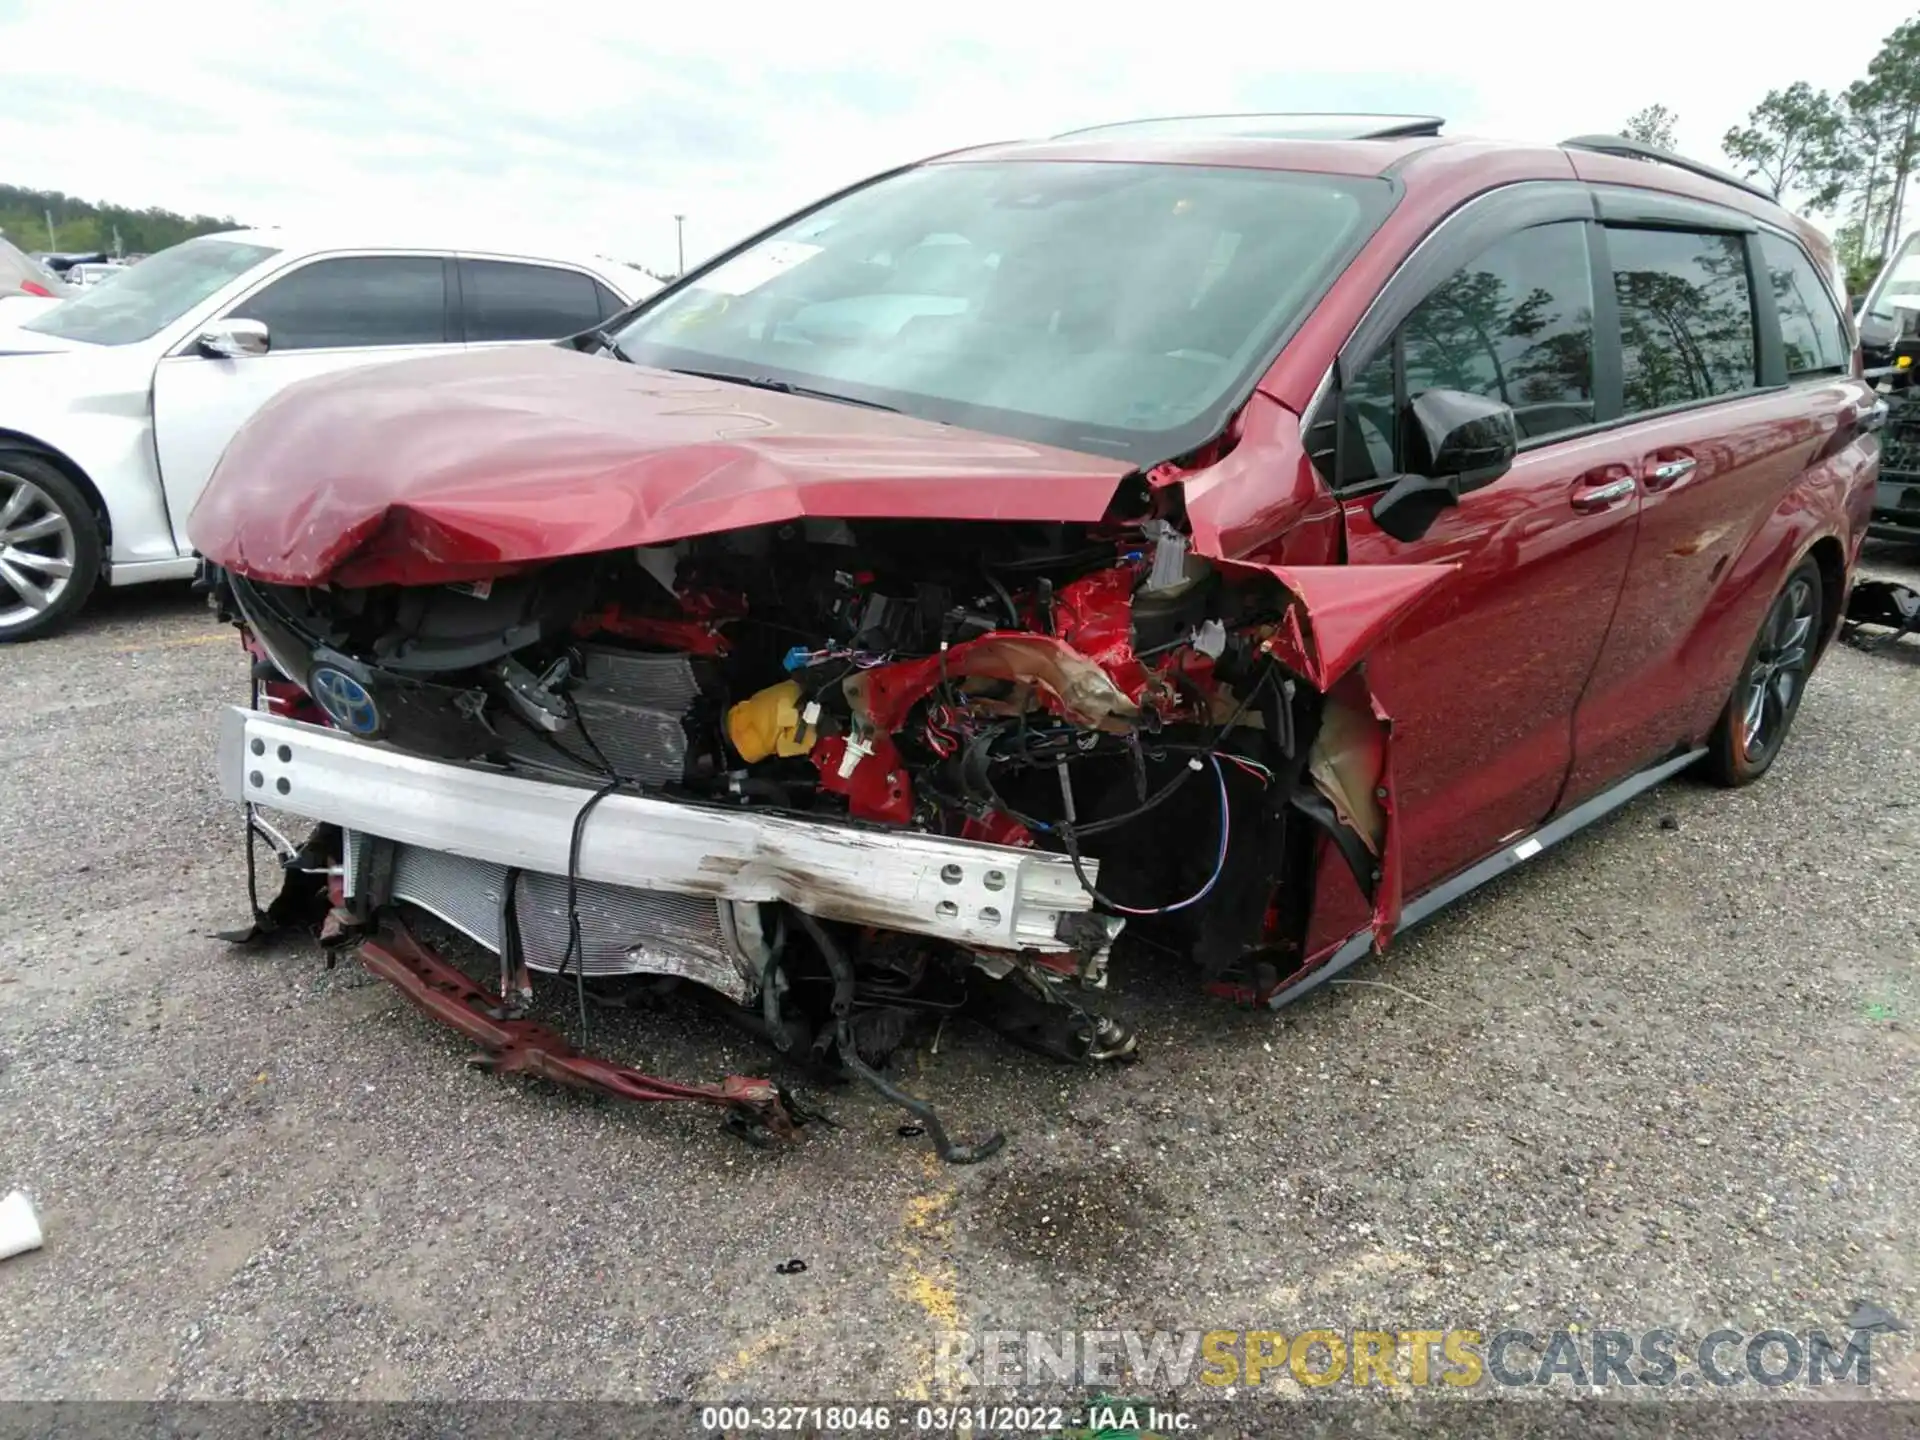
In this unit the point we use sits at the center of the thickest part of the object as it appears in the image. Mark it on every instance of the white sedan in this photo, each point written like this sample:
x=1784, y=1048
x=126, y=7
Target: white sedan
x=115, y=404
x=85, y=276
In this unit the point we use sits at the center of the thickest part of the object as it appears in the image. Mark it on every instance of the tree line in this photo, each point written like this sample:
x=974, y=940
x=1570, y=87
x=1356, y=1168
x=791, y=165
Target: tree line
x=84, y=225
x=1849, y=155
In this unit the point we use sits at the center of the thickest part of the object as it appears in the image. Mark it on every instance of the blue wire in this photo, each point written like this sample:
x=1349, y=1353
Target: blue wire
x=1219, y=865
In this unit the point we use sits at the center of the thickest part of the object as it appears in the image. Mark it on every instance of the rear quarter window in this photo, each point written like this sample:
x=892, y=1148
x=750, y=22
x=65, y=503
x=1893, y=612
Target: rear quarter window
x=1811, y=330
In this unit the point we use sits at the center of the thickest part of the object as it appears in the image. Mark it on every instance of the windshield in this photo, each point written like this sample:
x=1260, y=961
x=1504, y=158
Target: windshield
x=1116, y=308
x=146, y=298
x=1899, y=281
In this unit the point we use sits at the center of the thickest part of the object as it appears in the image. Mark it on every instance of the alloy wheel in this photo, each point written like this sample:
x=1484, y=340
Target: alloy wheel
x=38, y=551
x=1779, y=668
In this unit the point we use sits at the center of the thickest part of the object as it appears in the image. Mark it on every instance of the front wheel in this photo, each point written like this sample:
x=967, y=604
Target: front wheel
x=1750, y=731
x=49, y=547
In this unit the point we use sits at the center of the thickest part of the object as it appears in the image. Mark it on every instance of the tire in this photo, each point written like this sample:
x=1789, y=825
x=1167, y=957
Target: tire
x=1753, y=728
x=49, y=547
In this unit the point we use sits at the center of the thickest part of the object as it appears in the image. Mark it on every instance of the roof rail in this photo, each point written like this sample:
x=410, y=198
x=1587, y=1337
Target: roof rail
x=1634, y=150
x=1279, y=125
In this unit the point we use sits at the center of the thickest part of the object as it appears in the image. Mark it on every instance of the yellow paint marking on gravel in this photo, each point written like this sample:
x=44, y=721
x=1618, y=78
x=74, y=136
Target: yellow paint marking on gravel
x=747, y=1358
x=927, y=1277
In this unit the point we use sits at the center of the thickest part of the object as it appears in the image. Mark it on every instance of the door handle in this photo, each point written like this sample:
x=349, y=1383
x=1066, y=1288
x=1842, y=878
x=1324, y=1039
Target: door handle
x=1592, y=499
x=1668, y=473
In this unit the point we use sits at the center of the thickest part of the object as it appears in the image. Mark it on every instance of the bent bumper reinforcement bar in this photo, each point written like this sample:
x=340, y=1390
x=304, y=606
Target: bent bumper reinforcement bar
x=525, y=1047
x=987, y=896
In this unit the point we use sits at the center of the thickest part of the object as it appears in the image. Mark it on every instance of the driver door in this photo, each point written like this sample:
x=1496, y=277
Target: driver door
x=1483, y=677
x=324, y=315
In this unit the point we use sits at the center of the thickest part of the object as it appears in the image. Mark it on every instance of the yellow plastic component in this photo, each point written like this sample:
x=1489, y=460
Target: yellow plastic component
x=768, y=723
x=1903, y=362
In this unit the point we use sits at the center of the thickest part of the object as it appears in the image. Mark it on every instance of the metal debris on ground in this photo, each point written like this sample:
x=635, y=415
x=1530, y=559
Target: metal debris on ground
x=1891, y=610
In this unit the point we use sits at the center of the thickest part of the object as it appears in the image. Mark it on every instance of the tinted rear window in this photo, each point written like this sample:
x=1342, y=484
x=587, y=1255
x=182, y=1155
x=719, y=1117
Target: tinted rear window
x=1686, y=316
x=509, y=301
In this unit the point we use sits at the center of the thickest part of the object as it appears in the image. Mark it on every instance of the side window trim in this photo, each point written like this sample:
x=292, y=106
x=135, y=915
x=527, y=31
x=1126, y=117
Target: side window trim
x=1659, y=210
x=1609, y=368
x=456, y=305
x=1766, y=316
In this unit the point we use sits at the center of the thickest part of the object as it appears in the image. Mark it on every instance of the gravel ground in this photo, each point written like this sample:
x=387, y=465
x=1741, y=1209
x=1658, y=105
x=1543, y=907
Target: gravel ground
x=1663, y=1075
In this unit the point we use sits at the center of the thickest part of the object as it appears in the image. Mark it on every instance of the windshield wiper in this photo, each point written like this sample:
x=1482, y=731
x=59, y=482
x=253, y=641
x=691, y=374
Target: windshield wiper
x=784, y=387
x=610, y=346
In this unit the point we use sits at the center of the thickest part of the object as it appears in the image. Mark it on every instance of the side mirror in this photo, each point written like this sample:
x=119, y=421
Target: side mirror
x=1455, y=442
x=234, y=339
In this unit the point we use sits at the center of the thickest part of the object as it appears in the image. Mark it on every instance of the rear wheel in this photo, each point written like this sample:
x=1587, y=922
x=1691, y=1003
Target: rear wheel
x=49, y=547
x=1766, y=697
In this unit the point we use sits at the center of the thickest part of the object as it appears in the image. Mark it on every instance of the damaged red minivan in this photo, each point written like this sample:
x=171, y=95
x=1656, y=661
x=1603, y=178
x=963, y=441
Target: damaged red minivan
x=1235, y=536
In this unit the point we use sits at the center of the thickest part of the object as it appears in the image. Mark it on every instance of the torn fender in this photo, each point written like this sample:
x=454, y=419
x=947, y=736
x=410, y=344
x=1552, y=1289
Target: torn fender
x=1351, y=763
x=1340, y=612
x=1337, y=615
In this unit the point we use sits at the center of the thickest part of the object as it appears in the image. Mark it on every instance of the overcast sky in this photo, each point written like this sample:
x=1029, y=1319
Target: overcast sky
x=602, y=121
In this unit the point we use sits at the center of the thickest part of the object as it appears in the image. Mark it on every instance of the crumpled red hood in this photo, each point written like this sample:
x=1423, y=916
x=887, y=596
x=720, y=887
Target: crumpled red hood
x=465, y=466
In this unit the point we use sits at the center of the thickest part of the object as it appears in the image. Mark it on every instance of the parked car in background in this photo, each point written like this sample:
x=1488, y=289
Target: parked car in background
x=20, y=274
x=87, y=274
x=61, y=261
x=1253, y=536
x=115, y=404
x=1889, y=318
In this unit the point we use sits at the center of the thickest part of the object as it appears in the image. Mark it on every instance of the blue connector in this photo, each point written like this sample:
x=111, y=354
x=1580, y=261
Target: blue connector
x=798, y=658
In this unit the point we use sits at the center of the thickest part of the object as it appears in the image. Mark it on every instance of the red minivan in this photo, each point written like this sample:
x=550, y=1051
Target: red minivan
x=1229, y=538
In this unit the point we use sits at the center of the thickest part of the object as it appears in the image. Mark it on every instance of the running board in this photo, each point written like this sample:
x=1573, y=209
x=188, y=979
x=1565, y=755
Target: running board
x=1502, y=860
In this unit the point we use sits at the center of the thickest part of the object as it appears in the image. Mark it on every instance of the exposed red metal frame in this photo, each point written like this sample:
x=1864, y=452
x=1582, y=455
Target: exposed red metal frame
x=525, y=1047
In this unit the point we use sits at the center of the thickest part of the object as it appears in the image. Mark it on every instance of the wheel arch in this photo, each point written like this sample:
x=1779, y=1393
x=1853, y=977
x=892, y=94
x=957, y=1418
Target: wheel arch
x=20, y=440
x=1830, y=557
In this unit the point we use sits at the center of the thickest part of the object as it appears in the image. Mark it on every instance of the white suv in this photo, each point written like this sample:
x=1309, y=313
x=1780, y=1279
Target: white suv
x=115, y=404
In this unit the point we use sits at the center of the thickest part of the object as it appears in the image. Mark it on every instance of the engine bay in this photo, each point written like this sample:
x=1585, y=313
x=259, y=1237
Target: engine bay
x=1098, y=692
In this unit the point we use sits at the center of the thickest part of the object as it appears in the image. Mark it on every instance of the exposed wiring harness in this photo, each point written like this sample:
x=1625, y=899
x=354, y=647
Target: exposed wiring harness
x=575, y=946
x=1071, y=832
x=1070, y=838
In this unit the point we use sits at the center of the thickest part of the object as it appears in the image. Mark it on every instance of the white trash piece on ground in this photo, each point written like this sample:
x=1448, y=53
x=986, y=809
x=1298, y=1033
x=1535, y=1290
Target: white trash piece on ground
x=19, y=1226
